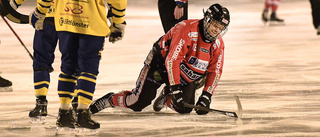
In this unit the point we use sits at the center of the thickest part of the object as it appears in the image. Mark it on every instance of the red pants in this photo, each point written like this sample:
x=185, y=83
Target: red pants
x=273, y=4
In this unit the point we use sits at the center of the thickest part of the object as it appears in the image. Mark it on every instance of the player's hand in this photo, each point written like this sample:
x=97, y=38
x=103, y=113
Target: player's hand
x=177, y=96
x=203, y=101
x=117, y=31
x=178, y=12
x=36, y=19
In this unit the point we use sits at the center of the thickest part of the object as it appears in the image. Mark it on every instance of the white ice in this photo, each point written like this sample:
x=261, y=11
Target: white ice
x=275, y=71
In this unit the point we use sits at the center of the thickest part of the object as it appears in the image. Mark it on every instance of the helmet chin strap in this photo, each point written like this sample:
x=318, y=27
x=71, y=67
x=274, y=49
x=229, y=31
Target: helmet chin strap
x=223, y=32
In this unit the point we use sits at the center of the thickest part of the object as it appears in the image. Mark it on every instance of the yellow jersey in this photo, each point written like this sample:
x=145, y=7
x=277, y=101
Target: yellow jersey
x=87, y=16
x=42, y=6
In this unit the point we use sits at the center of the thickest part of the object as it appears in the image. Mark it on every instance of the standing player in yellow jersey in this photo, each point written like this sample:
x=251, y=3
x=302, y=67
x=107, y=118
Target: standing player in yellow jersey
x=82, y=27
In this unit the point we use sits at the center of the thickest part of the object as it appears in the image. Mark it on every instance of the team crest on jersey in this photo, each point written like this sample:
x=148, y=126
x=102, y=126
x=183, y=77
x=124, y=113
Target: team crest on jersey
x=193, y=34
x=204, y=50
x=198, y=63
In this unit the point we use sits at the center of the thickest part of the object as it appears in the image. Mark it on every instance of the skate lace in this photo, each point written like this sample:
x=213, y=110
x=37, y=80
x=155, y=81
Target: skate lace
x=101, y=104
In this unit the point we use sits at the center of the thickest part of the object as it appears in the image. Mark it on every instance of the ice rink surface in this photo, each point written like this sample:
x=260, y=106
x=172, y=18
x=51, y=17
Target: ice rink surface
x=275, y=71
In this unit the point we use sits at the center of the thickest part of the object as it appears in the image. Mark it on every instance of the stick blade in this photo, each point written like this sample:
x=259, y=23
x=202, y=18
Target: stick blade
x=239, y=106
x=227, y=113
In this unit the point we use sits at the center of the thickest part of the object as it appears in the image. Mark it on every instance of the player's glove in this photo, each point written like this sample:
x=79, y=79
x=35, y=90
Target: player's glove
x=117, y=31
x=14, y=5
x=203, y=101
x=177, y=96
x=36, y=19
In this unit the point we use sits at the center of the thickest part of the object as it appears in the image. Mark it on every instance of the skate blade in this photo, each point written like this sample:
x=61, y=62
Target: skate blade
x=6, y=89
x=64, y=131
x=38, y=120
x=86, y=131
x=276, y=23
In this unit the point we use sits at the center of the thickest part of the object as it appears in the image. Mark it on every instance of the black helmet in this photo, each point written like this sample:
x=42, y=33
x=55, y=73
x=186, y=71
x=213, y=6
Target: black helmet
x=216, y=20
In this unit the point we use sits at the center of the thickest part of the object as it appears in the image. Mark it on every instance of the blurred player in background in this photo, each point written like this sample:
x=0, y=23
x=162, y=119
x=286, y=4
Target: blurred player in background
x=184, y=54
x=273, y=5
x=315, y=6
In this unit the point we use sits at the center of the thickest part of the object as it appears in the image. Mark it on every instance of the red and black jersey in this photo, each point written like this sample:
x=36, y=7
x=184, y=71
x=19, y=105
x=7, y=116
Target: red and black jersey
x=188, y=57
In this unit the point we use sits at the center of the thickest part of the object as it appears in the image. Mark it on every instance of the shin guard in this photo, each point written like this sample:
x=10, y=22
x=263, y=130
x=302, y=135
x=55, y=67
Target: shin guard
x=119, y=99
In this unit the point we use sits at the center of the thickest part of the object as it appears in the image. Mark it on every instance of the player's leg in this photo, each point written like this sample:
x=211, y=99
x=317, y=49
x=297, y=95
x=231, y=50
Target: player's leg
x=89, y=55
x=44, y=45
x=273, y=16
x=68, y=45
x=267, y=5
x=140, y=97
x=188, y=96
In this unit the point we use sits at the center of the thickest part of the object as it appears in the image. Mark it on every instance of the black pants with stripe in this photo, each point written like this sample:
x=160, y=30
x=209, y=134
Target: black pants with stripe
x=166, y=10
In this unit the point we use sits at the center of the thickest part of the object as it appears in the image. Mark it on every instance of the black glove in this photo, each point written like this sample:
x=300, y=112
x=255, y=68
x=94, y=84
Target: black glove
x=204, y=101
x=177, y=96
x=117, y=31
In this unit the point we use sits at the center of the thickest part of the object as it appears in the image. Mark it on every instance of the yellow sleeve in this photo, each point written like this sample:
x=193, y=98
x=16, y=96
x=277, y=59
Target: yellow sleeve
x=19, y=2
x=118, y=9
x=43, y=6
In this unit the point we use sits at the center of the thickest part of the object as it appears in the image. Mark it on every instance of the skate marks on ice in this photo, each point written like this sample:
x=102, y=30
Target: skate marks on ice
x=274, y=23
x=163, y=123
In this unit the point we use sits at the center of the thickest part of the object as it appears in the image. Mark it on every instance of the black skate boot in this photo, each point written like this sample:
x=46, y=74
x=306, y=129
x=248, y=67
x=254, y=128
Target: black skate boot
x=65, y=122
x=265, y=16
x=85, y=125
x=274, y=17
x=101, y=103
x=160, y=102
x=318, y=30
x=39, y=113
x=5, y=85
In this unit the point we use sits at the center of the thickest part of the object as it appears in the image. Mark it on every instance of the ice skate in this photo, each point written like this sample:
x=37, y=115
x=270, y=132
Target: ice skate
x=84, y=124
x=39, y=113
x=101, y=103
x=65, y=122
x=160, y=102
x=265, y=16
x=5, y=85
x=318, y=30
x=274, y=20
